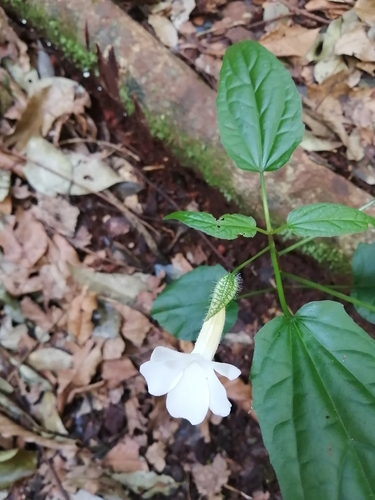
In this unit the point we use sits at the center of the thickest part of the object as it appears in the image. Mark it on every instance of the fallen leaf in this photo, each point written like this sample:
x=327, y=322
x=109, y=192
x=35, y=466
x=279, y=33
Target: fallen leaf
x=365, y=10
x=312, y=143
x=289, y=41
x=113, y=348
x=16, y=464
x=208, y=64
x=181, y=10
x=237, y=12
x=164, y=30
x=135, y=326
x=239, y=392
x=46, y=412
x=47, y=169
x=85, y=363
x=50, y=358
x=272, y=10
x=120, y=287
x=4, y=184
x=56, y=213
x=32, y=311
x=80, y=313
x=209, y=479
x=135, y=419
x=10, y=429
x=63, y=98
x=115, y=371
x=147, y=484
x=11, y=335
x=124, y=457
x=355, y=42
x=90, y=174
x=155, y=455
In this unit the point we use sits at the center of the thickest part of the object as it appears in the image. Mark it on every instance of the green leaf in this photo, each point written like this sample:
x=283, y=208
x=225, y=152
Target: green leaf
x=363, y=267
x=327, y=219
x=314, y=394
x=227, y=227
x=182, y=306
x=259, y=110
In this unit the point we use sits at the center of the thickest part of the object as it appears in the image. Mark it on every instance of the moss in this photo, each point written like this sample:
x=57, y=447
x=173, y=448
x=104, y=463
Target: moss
x=324, y=252
x=192, y=153
x=58, y=34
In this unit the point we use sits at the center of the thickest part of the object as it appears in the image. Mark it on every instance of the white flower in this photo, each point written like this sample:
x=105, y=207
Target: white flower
x=189, y=380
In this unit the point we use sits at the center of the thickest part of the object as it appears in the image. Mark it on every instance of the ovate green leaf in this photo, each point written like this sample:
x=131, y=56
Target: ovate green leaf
x=16, y=464
x=363, y=266
x=258, y=108
x=327, y=219
x=182, y=307
x=227, y=227
x=313, y=379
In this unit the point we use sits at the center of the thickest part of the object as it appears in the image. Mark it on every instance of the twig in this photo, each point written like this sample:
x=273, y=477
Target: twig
x=108, y=197
x=257, y=24
x=235, y=490
x=120, y=149
x=305, y=13
x=56, y=478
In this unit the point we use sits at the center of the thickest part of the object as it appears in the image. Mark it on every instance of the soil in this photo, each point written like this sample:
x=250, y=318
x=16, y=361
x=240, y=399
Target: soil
x=168, y=187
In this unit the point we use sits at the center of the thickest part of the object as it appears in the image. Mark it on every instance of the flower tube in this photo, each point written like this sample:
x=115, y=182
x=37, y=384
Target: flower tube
x=190, y=380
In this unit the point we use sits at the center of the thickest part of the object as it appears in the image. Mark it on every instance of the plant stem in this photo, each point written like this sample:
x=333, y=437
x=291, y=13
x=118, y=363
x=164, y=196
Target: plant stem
x=238, y=268
x=295, y=245
x=286, y=287
x=275, y=264
x=367, y=205
x=260, y=230
x=328, y=290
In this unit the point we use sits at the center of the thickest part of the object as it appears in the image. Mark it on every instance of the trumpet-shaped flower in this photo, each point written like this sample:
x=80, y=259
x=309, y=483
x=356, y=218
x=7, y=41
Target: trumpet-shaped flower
x=190, y=380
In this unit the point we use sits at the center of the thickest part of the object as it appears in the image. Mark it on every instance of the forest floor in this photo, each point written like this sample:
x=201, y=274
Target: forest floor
x=85, y=253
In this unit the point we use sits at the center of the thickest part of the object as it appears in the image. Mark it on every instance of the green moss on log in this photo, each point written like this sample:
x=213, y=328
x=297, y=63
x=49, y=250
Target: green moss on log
x=58, y=34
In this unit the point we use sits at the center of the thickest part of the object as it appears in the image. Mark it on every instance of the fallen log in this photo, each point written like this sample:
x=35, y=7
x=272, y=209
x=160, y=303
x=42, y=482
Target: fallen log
x=180, y=110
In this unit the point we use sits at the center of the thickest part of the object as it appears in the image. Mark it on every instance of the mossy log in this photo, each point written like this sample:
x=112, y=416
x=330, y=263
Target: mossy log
x=180, y=109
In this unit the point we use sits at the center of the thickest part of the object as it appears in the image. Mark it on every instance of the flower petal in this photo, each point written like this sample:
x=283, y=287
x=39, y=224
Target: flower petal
x=190, y=398
x=161, y=353
x=161, y=376
x=219, y=403
x=227, y=370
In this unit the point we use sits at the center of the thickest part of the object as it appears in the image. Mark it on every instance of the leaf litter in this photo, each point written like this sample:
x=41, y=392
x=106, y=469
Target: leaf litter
x=79, y=244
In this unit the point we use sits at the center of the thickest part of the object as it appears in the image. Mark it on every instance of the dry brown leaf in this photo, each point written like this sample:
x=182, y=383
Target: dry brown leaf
x=11, y=45
x=115, y=371
x=209, y=479
x=32, y=311
x=8, y=428
x=113, y=348
x=290, y=41
x=208, y=64
x=32, y=237
x=164, y=30
x=155, y=456
x=85, y=363
x=63, y=98
x=239, y=392
x=124, y=457
x=135, y=419
x=261, y=495
x=56, y=213
x=46, y=412
x=237, y=12
x=136, y=325
x=365, y=10
x=10, y=335
x=355, y=42
x=80, y=314
x=50, y=358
